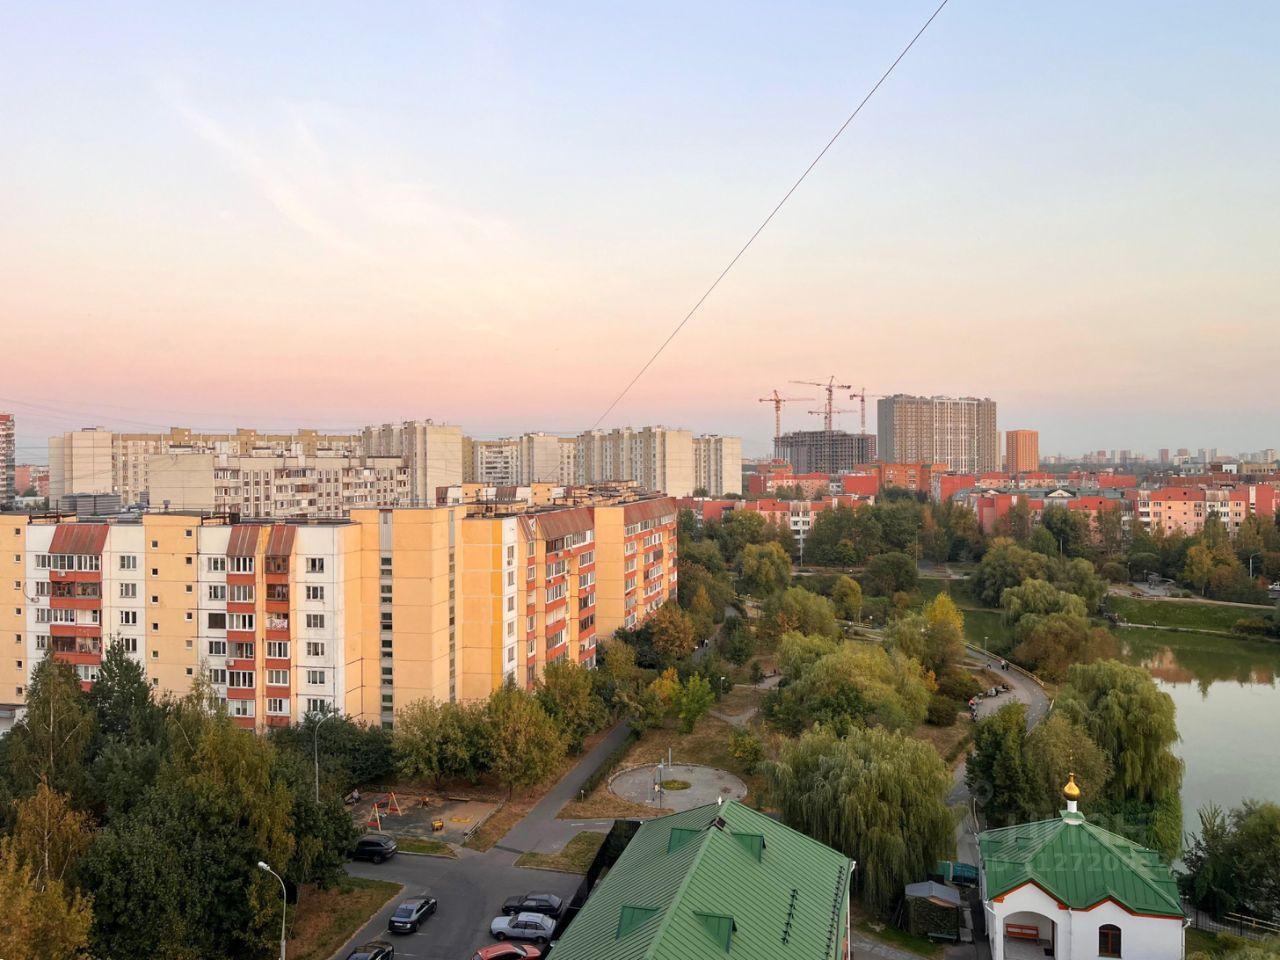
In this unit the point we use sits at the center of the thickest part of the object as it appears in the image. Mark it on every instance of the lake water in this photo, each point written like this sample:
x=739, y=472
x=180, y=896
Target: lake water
x=1227, y=694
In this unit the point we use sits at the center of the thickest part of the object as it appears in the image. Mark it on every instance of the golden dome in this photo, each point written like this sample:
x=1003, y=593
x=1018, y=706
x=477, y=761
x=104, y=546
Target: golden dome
x=1071, y=791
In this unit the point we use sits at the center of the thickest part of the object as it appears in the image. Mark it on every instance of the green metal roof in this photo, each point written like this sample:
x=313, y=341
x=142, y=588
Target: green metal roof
x=1080, y=864
x=711, y=882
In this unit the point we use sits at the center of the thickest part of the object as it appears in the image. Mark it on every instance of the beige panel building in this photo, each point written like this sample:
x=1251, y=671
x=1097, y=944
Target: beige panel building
x=81, y=461
x=959, y=434
x=717, y=464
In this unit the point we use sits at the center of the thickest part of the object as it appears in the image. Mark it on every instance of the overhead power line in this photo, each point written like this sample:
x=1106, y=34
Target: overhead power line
x=764, y=223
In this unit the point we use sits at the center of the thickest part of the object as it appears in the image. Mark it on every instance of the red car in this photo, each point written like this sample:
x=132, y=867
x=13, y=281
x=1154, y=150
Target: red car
x=507, y=951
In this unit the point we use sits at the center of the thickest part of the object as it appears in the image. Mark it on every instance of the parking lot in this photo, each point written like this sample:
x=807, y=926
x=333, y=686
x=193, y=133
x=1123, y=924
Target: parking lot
x=470, y=889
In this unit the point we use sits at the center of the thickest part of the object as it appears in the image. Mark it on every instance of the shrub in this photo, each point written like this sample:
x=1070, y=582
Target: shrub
x=1254, y=626
x=746, y=748
x=941, y=711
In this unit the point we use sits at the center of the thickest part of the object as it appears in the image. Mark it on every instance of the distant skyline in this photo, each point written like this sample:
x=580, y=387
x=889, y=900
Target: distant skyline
x=491, y=215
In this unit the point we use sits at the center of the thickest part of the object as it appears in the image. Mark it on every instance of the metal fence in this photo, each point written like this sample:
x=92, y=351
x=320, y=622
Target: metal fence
x=1238, y=924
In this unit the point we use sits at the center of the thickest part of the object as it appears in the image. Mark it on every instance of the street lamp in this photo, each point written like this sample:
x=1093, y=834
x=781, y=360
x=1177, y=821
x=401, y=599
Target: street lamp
x=284, y=897
x=315, y=743
x=1251, y=556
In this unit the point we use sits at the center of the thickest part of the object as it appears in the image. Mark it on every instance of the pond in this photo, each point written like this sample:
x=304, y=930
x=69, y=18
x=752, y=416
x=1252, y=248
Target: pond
x=1228, y=702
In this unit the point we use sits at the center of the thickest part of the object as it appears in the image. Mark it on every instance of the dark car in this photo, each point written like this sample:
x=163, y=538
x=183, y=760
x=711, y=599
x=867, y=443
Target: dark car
x=410, y=914
x=373, y=950
x=547, y=903
x=374, y=846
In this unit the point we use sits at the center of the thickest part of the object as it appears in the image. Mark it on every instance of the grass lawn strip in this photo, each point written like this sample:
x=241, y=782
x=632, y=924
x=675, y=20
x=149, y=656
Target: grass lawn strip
x=324, y=920
x=901, y=939
x=576, y=856
x=428, y=847
x=1181, y=613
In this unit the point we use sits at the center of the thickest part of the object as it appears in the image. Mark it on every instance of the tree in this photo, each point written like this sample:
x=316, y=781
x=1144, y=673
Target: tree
x=763, y=569
x=854, y=685
x=670, y=632
x=1233, y=864
x=876, y=796
x=1053, y=750
x=1079, y=577
x=121, y=698
x=1004, y=565
x=846, y=597
x=703, y=614
x=616, y=675
x=1028, y=604
x=738, y=529
x=693, y=701
x=51, y=741
x=996, y=773
x=1016, y=522
x=49, y=836
x=1198, y=568
x=843, y=536
x=798, y=651
x=433, y=740
x=889, y=573
x=39, y=920
x=1070, y=528
x=566, y=694
x=1108, y=532
x=798, y=609
x=1053, y=643
x=524, y=744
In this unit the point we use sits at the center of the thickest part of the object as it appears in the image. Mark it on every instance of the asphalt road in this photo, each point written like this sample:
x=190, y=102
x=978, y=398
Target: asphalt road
x=470, y=889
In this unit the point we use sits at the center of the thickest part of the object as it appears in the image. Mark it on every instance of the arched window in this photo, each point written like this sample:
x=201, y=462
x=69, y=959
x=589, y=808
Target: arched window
x=1108, y=940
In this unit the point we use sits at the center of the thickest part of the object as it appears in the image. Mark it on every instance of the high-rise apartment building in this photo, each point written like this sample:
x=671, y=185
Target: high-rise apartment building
x=432, y=452
x=959, y=433
x=660, y=459
x=807, y=450
x=1022, y=451
x=8, y=450
x=82, y=461
x=364, y=614
x=717, y=464
x=495, y=462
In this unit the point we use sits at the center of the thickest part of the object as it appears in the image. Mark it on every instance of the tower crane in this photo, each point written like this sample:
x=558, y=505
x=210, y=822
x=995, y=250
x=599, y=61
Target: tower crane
x=861, y=397
x=828, y=411
x=777, y=402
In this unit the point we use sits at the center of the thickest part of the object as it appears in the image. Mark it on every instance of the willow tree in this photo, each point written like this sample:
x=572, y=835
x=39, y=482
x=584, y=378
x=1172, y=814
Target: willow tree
x=878, y=797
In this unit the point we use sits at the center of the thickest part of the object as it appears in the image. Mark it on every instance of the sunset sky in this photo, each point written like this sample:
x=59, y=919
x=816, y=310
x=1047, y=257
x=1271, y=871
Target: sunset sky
x=326, y=215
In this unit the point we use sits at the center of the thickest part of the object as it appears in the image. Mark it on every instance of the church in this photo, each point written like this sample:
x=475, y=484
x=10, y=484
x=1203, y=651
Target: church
x=1067, y=889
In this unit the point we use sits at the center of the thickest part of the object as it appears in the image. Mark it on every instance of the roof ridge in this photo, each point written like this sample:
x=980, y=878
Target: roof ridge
x=679, y=891
x=1139, y=869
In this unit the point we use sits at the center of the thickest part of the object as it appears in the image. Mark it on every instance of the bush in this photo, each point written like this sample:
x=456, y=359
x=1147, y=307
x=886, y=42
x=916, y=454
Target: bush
x=956, y=683
x=609, y=763
x=1254, y=626
x=757, y=672
x=942, y=711
x=746, y=748
x=738, y=641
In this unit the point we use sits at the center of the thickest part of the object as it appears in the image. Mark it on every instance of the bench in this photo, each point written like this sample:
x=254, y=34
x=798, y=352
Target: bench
x=1022, y=931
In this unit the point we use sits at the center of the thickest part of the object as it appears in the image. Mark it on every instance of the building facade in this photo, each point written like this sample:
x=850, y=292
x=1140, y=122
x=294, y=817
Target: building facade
x=807, y=450
x=363, y=614
x=1021, y=451
x=956, y=433
x=717, y=464
x=8, y=451
x=660, y=459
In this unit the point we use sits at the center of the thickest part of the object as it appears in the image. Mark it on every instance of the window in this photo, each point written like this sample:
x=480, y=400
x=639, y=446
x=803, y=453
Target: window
x=130, y=644
x=128, y=618
x=155, y=599
x=276, y=706
x=128, y=591
x=511, y=603
x=317, y=705
x=315, y=564
x=242, y=593
x=45, y=615
x=315, y=648
x=128, y=561
x=242, y=564
x=278, y=678
x=242, y=679
x=316, y=678
x=556, y=592
x=43, y=588
x=586, y=558
x=217, y=591
x=315, y=621
x=315, y=593
x=217, y=648
x=278, y=649
x=217, y=621
x=240, y=708
x=533, y=647
x=240, y=621
x=217, y=564
x=1108, y=940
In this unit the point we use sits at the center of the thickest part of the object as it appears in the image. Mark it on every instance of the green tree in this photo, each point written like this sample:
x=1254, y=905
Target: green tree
x=51, y=742
x=1028, y=604
x=1079, y=577
x=1199, y=567
x=121, y=698
x=434, y=740
x=798, y=609
x=996, y=772
x=1055, y=642
x=889, y=573
x=855, y=685
x=524, y=744
x=1004, y=565
x=878, y=797
x=1070, y=528
x=738, y=641
x=1016, y=522
x=670, y=632
x=763, y=569
x=39, y=920
x=693, y=701
x=1053, y=750
x=703, y=614
x=846, y=597
x=1233, y=864
x=616, y=675
x=566, y=694
x=843, y=536
x=798, y=651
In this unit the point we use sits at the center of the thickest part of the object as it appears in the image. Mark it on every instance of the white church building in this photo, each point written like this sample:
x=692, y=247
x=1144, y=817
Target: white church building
x=1069, y=890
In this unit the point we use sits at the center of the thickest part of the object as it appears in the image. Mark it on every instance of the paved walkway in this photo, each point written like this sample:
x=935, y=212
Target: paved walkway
x=705, y=785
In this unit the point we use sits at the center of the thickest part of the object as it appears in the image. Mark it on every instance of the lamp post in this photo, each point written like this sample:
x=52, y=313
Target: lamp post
x=315, y=744
x=1251, y=556
x=284, y=897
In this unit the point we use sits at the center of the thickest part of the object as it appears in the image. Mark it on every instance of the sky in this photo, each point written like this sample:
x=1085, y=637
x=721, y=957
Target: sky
x=324, y=214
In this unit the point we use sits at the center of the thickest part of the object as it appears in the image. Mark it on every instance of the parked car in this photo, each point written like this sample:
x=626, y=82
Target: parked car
x=523, y=926
x=411, y=913
x=508, y=951
x=547, y=903
x=375, y=847
x=373, y=950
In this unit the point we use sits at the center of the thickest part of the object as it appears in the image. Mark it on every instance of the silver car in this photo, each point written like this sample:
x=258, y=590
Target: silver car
x=523, y=926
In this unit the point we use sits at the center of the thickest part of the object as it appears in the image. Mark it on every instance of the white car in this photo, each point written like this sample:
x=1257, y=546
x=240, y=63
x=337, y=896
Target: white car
x=523, y=926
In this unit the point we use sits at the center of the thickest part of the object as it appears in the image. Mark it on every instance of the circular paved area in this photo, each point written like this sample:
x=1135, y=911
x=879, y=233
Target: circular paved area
x=705, y=784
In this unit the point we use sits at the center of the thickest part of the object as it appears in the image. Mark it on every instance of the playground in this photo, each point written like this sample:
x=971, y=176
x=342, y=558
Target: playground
x=428, y=817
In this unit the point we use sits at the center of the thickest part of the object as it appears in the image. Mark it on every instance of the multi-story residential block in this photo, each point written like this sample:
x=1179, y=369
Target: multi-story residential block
x=717, y=464
x=796, y=515
x=1186, y=509
x=958, y=433
x=495, y=462
x=431, y=451
x=806, y=450
x=82, y=461
x=363, y=614
x=8, y=449
x=1022, y=451
x=277, y=487
x=658, y=458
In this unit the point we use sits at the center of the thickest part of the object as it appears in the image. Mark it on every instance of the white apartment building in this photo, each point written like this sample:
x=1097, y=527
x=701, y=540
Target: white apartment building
x=717, y=464
x=495, y=462
x=431, y=451
x=657, y=458
x=8, y=448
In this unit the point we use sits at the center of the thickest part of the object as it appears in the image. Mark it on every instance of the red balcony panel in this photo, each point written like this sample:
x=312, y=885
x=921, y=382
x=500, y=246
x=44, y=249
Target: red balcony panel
x=277, y=691
x=75, y=630
x=75, y=603
x=277, y=606
x=273, y=721
x=241, y=693
x=85, y=659
x=280, y=578
x=241, y=579
x=86, y=685
x=241, y=636
x=277, y=634
x=245, y=722
x=272, y=663
x=75, y=576
x=241, y=608
x=241, y=663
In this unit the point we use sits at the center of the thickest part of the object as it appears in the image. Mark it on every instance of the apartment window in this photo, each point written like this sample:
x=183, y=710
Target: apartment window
x=46, y=615
x=316, y=705
x=511, y=628
x=240, y=621
x=241, y=679
x=556, y=592
x=387, y=678
x=511, y=578
x=586, y=579
x=130, y=644
x=511, y=654
x=155, y=544
x=242, y=564
x=315, y=621
x=529, y=624
x=276, y=706
x=511, y=603
x=511, y=554
x=316, y=678
x=242, y=593
x=531, y=547
x=128, y=561
x=187, y=533
x=217, y=648
x=533, y=646
x=278, y=649
x=128, y=591
x=315, y=564
x=217, y=564
x=42, y=641
x=155, y=571
x=240, y=708
x=155, y=599
x=189, y=559
x=218, y=591
x=43, y=589
x=278, y=678
x=217, y=621
x=128, y=618
x=315, y=593
x=188, y=616
x=315, y=648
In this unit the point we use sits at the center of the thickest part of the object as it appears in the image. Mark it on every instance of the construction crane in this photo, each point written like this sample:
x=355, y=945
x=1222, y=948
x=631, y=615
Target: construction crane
x=777, y=402
x=861, y=397
x=828, y=413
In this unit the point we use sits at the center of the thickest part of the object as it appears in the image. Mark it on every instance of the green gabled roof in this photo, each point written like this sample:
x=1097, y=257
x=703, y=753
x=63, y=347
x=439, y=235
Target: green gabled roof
x=1080, y=864
x=751, y=888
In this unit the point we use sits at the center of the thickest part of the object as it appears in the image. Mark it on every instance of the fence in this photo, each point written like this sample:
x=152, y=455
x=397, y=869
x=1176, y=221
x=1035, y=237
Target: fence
x=1238, y=924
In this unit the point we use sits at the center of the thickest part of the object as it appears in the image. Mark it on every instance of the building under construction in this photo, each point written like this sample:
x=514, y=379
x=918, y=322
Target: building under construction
x=807, y=450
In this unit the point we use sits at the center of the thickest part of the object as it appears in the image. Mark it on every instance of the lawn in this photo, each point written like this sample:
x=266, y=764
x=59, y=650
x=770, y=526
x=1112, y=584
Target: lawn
x=324, y=920
x=576, y=856
x=900, y=938
x=432, y=848
x=1186, y=614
